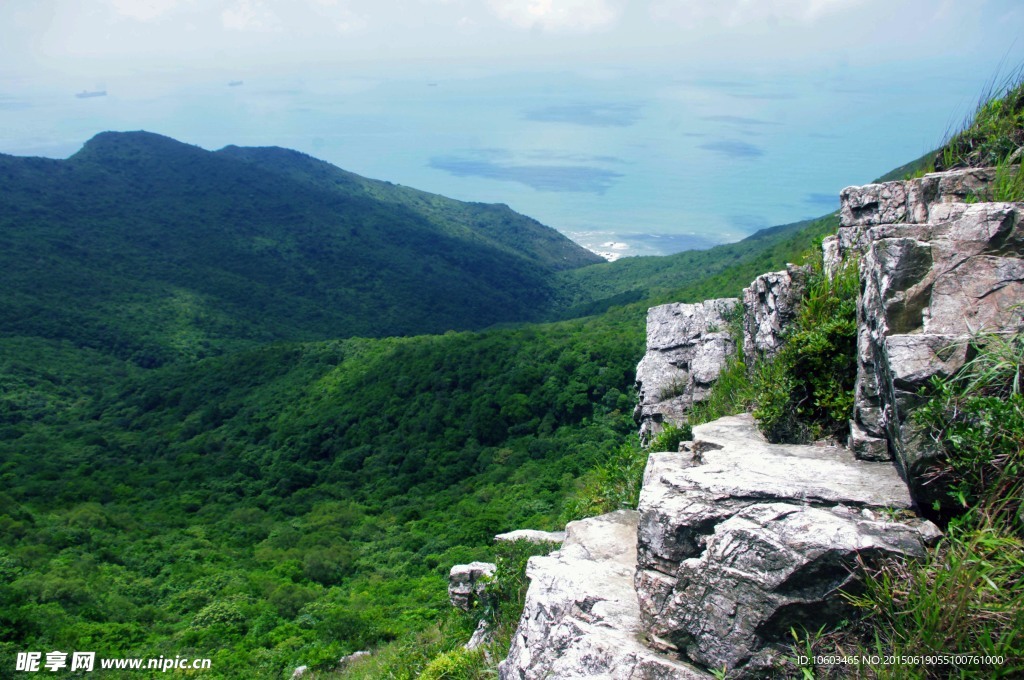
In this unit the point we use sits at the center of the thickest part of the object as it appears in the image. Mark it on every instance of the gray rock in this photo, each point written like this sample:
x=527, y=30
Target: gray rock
x=933, y=198
x=927, y=288
x=581, y=618
x=769, y=306
x=299, y=672
x=532, y=535
x=687, y=347
x=744, y=538
x=466, y=582
x=481, y=637
x=354, y=656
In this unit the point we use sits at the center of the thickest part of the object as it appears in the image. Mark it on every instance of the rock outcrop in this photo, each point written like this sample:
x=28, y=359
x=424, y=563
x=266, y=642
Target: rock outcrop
x=466, y=582
x=581, y=618
x=741, y=539
x=687, y=347
x=532, y=535
x=769, y=306
x=934, y=271
x=738, y=540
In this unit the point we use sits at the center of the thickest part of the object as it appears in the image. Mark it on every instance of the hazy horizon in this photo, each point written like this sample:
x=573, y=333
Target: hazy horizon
x=659, y=125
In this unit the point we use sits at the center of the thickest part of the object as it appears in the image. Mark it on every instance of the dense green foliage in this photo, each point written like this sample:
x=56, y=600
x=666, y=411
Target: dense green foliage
x=807, y=392
x=614, y=484
x=155, y=250
x=691, y=276
x=289, y=504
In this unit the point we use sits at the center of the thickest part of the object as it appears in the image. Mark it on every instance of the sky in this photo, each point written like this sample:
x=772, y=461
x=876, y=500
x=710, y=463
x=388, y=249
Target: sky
x=616, y=122
x=82, y=36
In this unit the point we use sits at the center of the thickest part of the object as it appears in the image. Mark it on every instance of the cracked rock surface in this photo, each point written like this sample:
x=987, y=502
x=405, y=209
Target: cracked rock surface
x=581, y=618
x=687, y=347
x=739, y=539
x=466, y=582
x=935, y=268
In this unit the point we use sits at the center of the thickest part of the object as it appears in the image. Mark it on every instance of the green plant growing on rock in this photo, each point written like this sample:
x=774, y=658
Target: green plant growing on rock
x=967, y=595
x=504, y=595
x=612, y=485
x=806, y=391
x=671, y=437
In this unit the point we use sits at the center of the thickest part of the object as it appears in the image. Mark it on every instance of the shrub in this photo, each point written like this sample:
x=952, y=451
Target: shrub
x=612, y=485
x=504, y=596
x=806, y=391
x=670, y=437
x=977, y=419
x=457, y=664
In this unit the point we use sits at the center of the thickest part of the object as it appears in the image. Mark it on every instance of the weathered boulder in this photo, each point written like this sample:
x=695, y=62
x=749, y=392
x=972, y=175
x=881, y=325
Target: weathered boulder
x=532, y=535
x=466, y=582
x=481, y=636
x=581, y=618
x=769, y=306
x=739, y=539
x=687, y=347
x=353, y=657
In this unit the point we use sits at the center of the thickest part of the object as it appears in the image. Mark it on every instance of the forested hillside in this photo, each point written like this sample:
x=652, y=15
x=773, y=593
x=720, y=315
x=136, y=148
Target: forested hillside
x=154, y=250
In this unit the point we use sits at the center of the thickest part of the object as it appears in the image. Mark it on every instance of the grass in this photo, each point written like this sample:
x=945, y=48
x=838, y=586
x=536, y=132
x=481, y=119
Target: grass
x=995, y=132
x=967, y=595
x=613, y=485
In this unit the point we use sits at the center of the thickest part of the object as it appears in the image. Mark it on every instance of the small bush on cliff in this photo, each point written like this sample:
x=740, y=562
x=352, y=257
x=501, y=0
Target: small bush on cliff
x=671, y=437
x=806, y=392
x=505, y=594
x=977, y=418
x=612, y=485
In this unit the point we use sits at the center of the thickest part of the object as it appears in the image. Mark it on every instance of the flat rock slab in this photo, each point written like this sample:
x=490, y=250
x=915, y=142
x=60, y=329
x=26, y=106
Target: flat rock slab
x=581, y=618
x=739, y=539
x=531, y=535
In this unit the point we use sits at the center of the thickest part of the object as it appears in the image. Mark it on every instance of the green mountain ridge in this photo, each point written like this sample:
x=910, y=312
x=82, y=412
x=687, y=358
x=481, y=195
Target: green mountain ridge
x=173, y=251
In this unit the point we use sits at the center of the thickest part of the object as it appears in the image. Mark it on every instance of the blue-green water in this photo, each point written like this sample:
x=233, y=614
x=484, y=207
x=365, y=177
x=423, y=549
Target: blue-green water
x=654, y=161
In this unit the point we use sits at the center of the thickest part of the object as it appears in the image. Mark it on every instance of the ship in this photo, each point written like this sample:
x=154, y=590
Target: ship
x=86, y=94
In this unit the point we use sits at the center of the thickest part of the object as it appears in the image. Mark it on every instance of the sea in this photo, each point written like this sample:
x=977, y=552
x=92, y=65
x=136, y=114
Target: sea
x=627, y=161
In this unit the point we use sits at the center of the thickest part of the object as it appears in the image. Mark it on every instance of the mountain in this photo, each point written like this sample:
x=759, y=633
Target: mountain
x=155, y=249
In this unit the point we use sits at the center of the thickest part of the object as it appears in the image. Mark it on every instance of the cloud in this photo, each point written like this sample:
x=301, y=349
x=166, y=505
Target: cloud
x=145, y=10
x=596, y=115
x=250, y=16
x=732, y=13
x=734, y=148
x=739, y=120
x=339, y=15
x=829, y=200
x=557, y=15
x=548, y=178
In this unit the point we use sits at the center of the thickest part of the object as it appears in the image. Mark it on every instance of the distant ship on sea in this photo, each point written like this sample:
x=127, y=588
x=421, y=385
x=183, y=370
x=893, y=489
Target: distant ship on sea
x=86, y=94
